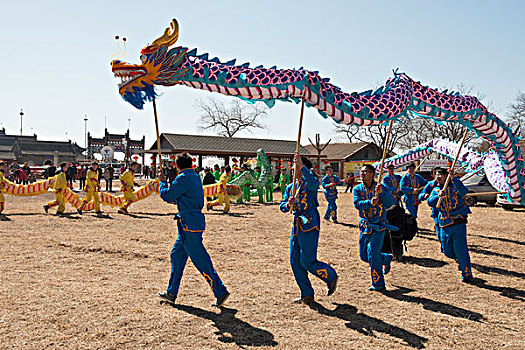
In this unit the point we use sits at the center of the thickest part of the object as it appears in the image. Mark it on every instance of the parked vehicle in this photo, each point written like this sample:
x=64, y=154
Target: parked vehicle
x=479, y=184
x=507, y=204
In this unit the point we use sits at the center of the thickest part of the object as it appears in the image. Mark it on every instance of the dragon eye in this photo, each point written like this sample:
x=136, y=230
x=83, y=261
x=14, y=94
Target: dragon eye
x=143, y=58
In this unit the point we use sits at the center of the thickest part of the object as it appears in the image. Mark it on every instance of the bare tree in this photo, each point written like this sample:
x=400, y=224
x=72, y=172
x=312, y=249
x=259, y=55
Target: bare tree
x=516, y=115
x=376, y=134
x=227, y=120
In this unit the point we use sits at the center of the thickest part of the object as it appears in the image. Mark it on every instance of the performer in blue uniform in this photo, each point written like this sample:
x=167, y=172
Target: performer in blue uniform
x=423, y=196
x=411, y=185
x=391, y=183
x=186, y=192
x=305, y=232
x=330, y=193
x=372, y=225
x=452, y=220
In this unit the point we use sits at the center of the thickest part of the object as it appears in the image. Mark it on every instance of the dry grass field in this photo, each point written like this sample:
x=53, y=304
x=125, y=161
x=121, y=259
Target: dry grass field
x=82, y=282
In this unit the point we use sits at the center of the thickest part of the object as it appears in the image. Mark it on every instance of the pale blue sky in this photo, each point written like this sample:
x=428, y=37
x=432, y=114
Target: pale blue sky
x=55, y=55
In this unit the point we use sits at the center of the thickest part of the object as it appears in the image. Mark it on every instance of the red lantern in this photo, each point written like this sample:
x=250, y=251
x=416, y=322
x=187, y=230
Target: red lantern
x=194, y=159
x=193, y=166
x=172, y=156
x=153, y=156
x=326, y=163
x=135, y=157
x=290, y=163
x=282, y=161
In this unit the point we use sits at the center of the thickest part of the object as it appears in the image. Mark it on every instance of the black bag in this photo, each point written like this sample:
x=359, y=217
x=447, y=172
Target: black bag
x=393, y=242
x=410, y=228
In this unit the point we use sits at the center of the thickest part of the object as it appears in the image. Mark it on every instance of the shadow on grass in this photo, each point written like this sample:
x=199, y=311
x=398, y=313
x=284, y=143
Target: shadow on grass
x=235, y=215
x=367, y=325
x=25, y=214
x=497, y=270
x=346, y=224
x=424, y=262
x=508, y=292
x=401, y=294
x=477, y=249
x=506, y=240
x=232, y=329
x=70, y=216
x=155, y=214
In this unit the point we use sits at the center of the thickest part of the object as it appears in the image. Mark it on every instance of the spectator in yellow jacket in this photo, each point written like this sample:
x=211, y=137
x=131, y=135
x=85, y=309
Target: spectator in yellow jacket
x=127, y=180
x=91, y=188
x=3, y=165
x=59, y=187
x=222, y=197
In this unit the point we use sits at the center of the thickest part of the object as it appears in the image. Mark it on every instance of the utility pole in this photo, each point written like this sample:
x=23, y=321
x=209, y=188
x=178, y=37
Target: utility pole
x=85, y=134
x=21, y=115
x=319, y=148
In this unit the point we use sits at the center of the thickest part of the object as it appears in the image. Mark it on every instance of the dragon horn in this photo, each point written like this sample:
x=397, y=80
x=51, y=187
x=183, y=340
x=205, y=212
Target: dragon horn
x=170, y=36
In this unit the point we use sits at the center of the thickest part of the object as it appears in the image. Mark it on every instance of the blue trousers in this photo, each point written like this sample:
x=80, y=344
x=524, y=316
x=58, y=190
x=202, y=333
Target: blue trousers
x=189, y=244
x=454, y=245
x=412, y=209
x=370, y=252
x=303, y=259
x=436, y=228
x=331, y=210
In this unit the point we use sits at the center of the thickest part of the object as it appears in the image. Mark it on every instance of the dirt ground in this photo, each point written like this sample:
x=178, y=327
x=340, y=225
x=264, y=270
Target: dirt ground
x=83, y=282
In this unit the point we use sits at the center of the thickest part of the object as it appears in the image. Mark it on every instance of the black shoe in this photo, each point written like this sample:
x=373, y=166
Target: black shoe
x=468, y=280
x=167, y=297
x=221, y=300
x=304, y=300
x=79, y=212
x=377, y=289
x=332, y=286
x=46, y=208
x=335, y=221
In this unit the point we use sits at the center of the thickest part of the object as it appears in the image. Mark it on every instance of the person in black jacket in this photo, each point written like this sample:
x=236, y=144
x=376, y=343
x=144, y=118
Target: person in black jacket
x=208, y=179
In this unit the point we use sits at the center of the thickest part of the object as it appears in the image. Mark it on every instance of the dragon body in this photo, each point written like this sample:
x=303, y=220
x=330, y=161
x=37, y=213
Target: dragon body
x=471, y=160
x=400, y=96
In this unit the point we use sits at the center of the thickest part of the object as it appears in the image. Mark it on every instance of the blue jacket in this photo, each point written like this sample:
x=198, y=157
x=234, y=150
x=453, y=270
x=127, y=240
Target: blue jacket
x=372, y=217
x=409, y=186
x=452, y=206
x=391, y=184
x=427, y=190
x=186, y=192
x=305, y=207
x=330, y=192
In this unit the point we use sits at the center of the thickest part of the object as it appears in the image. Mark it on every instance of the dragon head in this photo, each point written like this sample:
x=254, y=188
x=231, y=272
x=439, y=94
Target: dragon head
x=160, y=66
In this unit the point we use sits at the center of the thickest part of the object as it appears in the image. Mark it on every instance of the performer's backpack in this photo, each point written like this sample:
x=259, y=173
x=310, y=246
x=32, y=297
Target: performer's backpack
x=393, y=242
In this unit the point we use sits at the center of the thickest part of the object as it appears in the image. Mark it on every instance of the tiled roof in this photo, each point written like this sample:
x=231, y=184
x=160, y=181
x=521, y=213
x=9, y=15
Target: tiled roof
x=225, y=145
x=339, y=150
x=7, y=155
x=46, y=147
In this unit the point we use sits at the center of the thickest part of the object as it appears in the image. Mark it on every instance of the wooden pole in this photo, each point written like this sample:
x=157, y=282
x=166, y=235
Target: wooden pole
x=472, y=174
x=483, y=193
x=158, y=134
x=423, y=161
x=385, y=150
x=447, y=181
x=298, y=147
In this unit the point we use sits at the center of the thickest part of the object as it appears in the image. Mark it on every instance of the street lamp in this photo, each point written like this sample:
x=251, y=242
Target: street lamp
x=85, y=134
x=21, y=115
